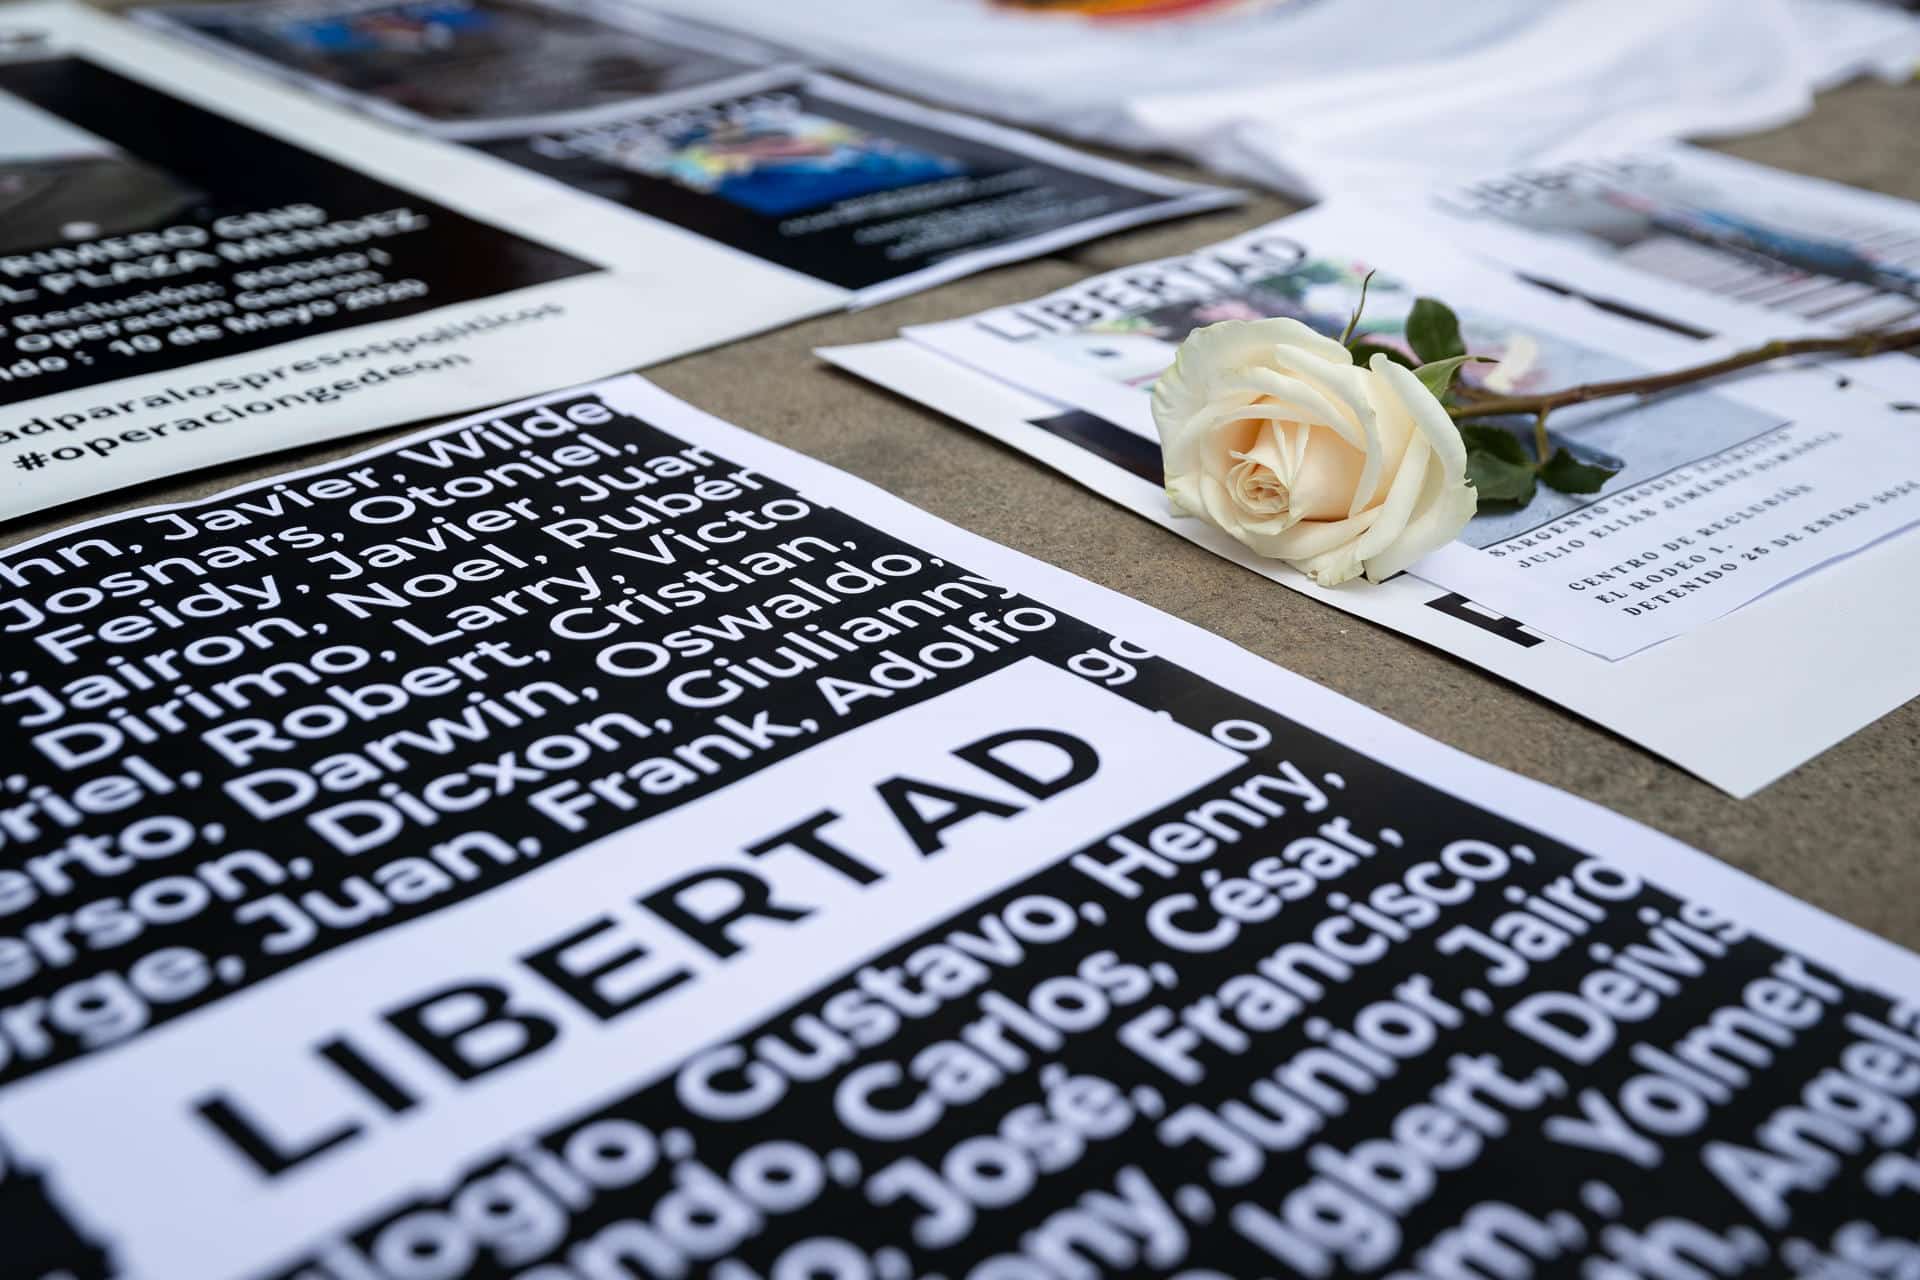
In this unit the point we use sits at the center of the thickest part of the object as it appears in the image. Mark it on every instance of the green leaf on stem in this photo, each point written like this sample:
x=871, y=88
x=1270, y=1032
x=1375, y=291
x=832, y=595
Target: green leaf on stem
x=1438, y=375
x=1364, y=352
x=1568, y=474
x=1501, y=443
x=1433, y=331
x=1497, y=464
x=1496, y=479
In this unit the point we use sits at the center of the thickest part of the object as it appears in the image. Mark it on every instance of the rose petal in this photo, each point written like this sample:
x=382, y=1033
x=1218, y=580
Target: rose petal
x=1430, y=416
x=1347, y=388
x=1183, y=494
x=1323, y=484
x=1340, y=388
x=1217, y=505
x=1305, y=402
x=1285, y=331
x=1335, y=567
x=1182, y=447
x=1316, y=537
x=1438, y=523
x=1268, y=451
x=1394, y=513
x=1396, y=427
x=1206, y=361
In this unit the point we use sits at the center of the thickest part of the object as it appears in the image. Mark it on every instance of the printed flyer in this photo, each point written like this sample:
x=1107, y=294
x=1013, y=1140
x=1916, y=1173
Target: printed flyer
x=858, y=189
x=1710, y=245
x=1716, y=497
x=587, y=840
x=434, y=63
x=96, y=292
x=198, y=265
x=1812, y=249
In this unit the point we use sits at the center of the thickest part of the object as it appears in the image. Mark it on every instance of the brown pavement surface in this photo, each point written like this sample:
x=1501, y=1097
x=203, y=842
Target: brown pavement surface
x=1843, y=831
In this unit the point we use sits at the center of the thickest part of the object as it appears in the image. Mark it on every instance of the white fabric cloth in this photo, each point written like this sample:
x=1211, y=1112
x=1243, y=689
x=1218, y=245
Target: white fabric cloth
x=1848, y=38
x=1579, y=81
x=1319, y=96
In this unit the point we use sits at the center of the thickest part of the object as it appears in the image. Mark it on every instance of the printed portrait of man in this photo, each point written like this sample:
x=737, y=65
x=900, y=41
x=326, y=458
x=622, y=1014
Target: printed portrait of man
x=60, y=184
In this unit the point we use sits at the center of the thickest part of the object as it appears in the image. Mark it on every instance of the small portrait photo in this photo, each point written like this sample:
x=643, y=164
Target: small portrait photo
x=60, y=183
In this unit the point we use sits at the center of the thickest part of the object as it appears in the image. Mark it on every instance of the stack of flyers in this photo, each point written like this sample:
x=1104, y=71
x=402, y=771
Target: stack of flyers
x=200, y=262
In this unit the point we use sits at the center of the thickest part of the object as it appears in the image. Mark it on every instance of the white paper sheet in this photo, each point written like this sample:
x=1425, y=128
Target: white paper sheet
x=201, y=264
x=1652, y=560
x=1739, y=702
x=1565, y=80
x=879, y=941
x=1717, y=496
x=1709, y=245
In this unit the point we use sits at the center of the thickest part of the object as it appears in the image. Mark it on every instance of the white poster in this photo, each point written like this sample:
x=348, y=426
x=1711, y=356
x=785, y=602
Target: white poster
x=587, y=840
x=199, y=264
x=1713, y=497
x=1828, y=651
x=1708, y=245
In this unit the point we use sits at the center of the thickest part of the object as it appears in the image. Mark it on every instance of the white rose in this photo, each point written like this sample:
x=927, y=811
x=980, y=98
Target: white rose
x=1270, y=431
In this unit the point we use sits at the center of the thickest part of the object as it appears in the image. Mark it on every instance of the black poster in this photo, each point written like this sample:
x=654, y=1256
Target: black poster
x=140, y=233
x=734, y=873
x=810, y=179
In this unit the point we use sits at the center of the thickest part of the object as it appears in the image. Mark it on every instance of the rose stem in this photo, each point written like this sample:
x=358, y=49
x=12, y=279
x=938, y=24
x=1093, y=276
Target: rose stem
x=1865, y=344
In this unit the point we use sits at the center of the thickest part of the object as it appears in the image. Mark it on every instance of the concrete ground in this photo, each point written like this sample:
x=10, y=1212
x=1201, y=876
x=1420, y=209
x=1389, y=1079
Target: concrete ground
x=1842, y=832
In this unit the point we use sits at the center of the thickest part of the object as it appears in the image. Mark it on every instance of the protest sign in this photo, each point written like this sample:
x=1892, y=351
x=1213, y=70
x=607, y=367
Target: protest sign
x=588, y=839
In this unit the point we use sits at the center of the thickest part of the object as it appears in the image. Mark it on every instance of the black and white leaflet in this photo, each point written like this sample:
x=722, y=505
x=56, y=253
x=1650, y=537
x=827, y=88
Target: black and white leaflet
x=858, y=189
x=201, y=260
x=587, y=841
x=432, y=64
x=198, y=264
